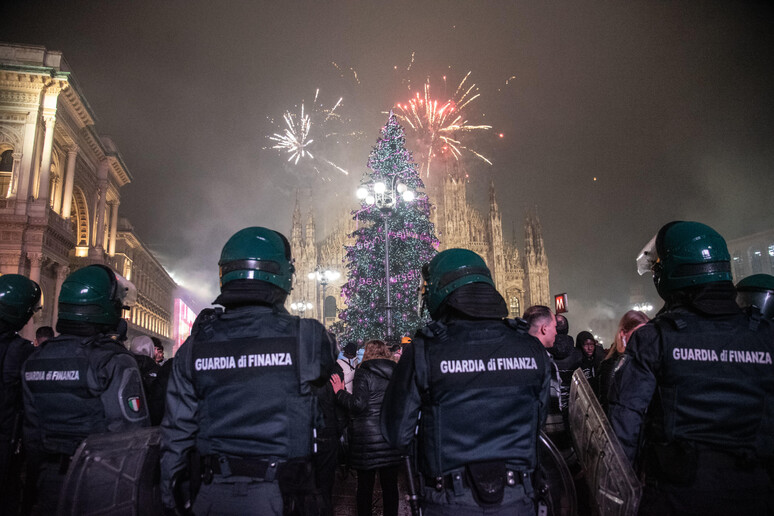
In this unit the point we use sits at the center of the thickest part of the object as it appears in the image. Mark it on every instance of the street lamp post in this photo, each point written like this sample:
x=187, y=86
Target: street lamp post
x=385, y=196
x=323, y=276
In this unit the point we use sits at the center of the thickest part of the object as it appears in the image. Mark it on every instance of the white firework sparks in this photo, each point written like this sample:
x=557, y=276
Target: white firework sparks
x=295, y=137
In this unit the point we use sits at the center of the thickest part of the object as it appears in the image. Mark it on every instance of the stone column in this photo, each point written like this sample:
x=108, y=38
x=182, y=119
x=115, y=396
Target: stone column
x=36, y=259
x=27, y=169
x=14, y=185
x=113, y=227
x=101, y=201
x=45, y=165
x=67, y=195
x=56, y=193
x=61, y=274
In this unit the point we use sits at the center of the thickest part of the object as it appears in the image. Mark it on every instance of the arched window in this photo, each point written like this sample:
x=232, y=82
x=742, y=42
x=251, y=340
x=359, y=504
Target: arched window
x=6, y=170
x=329, y=309
x=514, y=306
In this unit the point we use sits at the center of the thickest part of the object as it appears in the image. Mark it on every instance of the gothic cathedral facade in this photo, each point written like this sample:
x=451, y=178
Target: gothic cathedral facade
x=522, y=279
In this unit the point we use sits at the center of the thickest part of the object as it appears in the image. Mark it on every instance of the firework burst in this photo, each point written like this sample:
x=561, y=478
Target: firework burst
x=306, y=130
x=441, y=127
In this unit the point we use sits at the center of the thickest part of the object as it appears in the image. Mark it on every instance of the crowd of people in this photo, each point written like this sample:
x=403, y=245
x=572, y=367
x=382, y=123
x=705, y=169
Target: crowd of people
x=259, y=409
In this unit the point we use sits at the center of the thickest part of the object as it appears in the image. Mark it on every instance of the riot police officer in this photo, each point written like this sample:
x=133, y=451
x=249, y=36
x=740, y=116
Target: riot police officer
x=82, y=382
x=757, y=291
x=481, y=383
x=240, y=394
x=19, y=299
x=691, y=402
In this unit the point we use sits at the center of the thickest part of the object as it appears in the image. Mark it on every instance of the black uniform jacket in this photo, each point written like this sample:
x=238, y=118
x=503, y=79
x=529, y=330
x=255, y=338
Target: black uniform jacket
x=368, y=448
x=482, y=388
x=707, y=380
x=241, y=386
x=14, y=350
x=77, y=386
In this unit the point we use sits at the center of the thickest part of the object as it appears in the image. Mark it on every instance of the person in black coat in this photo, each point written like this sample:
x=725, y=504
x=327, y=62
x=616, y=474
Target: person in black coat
x=567, y=359
x=328, y=436
x=369, y=451
x=591, y=358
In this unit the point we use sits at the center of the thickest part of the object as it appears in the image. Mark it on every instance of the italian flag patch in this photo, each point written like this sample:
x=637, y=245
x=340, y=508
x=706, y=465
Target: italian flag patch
x=134, y=403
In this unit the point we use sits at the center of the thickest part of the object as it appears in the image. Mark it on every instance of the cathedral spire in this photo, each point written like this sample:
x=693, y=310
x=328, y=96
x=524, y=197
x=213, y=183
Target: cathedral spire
x=295, y=232
x=538, y=236
x=496, y=259
x=529, y=237
x=535, y=261
x=310, y=230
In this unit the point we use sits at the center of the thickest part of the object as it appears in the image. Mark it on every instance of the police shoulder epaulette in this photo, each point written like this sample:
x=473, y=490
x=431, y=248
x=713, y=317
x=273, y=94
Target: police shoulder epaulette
x=518, y=324
x=676, y=321
x=283, y=323
x=204, y=321
x=435, y=329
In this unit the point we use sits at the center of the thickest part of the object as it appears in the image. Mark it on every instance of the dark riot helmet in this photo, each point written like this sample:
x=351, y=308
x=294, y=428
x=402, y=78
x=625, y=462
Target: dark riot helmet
x=448, y=271
x=758, y=291
x=96, y=295
x=19, y=300
x=685, y=254
x=257, y=253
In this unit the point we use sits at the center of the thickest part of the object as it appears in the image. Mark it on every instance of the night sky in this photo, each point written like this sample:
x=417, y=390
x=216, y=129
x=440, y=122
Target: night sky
x=620, y=116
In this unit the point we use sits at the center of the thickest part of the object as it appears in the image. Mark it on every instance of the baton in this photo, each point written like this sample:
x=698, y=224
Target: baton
x=412, y=487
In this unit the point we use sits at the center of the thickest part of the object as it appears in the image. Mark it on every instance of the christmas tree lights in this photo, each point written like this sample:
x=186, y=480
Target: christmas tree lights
x=393, y=220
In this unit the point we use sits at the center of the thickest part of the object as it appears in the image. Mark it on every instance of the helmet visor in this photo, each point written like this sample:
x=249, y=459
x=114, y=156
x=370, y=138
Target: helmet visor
x=762, y=299
x=648, y=257
x=126, y=292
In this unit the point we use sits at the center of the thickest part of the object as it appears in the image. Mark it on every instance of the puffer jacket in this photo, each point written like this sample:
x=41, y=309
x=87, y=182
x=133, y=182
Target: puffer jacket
x=368, y=448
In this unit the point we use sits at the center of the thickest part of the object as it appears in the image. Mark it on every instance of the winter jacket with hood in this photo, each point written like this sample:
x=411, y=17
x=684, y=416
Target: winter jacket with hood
x=368, y=448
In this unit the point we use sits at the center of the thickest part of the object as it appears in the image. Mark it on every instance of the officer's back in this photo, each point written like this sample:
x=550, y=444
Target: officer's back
x=82, y=382
x=697, y=382
x=19, y=298
x=240, y=396
x=481, y=384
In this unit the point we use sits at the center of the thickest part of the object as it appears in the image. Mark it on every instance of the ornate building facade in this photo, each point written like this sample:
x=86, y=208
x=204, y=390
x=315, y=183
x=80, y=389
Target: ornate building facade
x=60, y=180
x=522, y=279
x=153, y=315
x=752, y=254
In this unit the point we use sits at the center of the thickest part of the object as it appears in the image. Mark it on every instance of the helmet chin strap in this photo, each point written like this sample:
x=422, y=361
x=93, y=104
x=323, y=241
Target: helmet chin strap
x=657, y=274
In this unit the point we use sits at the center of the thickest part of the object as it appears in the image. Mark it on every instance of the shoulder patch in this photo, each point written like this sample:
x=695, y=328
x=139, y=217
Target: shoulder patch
x=518, y=324
x=675, y=321
x=204, y=319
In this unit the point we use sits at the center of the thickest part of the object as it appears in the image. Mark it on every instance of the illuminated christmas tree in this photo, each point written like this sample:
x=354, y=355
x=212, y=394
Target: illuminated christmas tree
x=393, y=205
